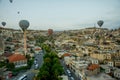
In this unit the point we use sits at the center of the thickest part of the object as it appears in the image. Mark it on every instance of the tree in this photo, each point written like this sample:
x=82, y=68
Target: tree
x=44, y=75
x=46, y=48
x=2, y=63
x=32, y=51
x=8, y=48
x=51, y=67
x=58, y=69
x=9, y=39
x=40, y=40
x=10, y=66
x=28, y=57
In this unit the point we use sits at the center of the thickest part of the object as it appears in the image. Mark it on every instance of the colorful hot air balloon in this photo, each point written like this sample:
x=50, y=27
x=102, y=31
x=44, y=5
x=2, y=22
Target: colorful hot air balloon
x=3, y=23
x=100, y=23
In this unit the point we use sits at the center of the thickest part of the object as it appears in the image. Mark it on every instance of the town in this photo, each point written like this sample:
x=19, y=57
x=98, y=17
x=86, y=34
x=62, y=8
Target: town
x=87, y=54
x=59, y=39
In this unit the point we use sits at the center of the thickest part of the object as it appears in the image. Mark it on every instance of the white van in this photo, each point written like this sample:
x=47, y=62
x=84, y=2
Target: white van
x=24, y=77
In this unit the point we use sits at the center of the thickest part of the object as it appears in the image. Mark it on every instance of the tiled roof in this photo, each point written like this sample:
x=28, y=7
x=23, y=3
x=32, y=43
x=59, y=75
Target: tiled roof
x=37, y=49
x=16, y=57
x=93, y=67
x=66, y=54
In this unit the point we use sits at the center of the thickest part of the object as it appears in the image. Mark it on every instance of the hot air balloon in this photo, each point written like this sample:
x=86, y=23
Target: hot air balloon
x=18, y=12
x=50, y=31
x=3, y=23
x=11, y=1
x=24, y=24
x=100, y=23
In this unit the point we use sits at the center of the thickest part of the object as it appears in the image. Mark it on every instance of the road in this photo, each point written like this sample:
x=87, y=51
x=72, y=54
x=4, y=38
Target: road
x=39, y=58
x=32, y=72
x=65, y=70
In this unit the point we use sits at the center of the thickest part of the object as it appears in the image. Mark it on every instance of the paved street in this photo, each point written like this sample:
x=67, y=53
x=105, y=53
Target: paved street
x=32, y=72
x=65, y=69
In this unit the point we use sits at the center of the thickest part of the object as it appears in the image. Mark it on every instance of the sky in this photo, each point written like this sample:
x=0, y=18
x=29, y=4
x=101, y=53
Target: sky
x=60, y=14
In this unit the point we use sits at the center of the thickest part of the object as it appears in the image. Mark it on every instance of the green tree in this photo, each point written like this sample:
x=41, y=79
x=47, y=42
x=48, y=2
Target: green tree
x=9, y=39
x=28, y=57
x=10, y=66
x=44, y=75
x=52, y=66
x=32, y=51
x=2, y=63
x=40, y=40
x=58, y=69
x=46, y=48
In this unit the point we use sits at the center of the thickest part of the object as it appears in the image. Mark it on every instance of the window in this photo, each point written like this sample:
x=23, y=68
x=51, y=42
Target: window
x=96, y=62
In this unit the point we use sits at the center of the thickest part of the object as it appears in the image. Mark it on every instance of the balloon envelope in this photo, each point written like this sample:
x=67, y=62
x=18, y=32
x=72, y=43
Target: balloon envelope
x=24, y=24
x=50, y=31
x=18, y=12
x=100, y=23
x=11, y=1
x=3, y=23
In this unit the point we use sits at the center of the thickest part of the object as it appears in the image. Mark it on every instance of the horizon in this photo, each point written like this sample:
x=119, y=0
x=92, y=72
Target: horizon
x=60, y=30
x=60, y=15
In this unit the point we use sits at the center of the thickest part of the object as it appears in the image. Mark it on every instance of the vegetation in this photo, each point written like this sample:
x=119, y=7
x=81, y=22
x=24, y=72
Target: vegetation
x=10, y=66
x=29, y=61
x=31, y=50
x=41, y=40
x=8, y=49
x=9, y=39
x=46, y=48
x=51, y=68
x=2, y=63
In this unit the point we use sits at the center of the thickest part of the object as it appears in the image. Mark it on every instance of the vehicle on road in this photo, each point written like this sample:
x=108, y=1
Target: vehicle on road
x=69, y=73
x=24, y=77
x=71, y=78
x=36, y=66
x=35, y=61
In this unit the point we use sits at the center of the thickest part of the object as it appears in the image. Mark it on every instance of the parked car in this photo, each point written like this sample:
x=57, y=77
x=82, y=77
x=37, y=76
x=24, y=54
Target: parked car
x=35, y=61
x=24, y=77
x=69, y=73
x=36, y=66
x=71, y=78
